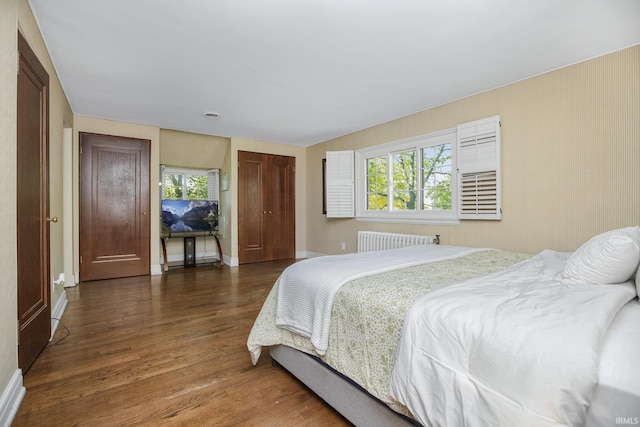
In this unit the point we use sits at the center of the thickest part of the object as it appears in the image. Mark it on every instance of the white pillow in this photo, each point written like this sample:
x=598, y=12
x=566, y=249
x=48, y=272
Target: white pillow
x=638, y=281
x=611, y=257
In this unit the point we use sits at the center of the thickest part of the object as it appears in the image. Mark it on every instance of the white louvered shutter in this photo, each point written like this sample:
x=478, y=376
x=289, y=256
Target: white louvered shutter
x=213, y=184
x=340, y=184
x=479, y=170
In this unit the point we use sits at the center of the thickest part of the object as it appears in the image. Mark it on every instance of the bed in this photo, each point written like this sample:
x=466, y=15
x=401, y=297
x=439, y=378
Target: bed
x=444, y=335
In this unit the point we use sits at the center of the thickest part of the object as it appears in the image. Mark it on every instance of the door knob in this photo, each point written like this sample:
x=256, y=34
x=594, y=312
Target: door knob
x=53, y=219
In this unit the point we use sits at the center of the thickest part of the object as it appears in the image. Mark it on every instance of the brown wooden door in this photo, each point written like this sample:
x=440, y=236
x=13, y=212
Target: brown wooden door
x=252, y=237
x=266, y=207
x=114, y=207
x=34, y=311
x=280, y=202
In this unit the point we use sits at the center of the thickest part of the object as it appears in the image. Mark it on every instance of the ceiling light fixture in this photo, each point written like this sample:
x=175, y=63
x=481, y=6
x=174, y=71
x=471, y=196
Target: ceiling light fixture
x=211, y=114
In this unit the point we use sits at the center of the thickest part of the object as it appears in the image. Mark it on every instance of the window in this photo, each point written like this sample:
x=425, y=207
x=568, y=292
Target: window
x=412, y=179
x=189, y=184
x=441, y=177
x=377, y=186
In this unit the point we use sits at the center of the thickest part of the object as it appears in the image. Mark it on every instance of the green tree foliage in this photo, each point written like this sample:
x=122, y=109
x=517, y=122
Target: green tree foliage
x=436, y=176
x=404, y=180
x=196, y=187
x=173, y=187
x=377, y=183
x=436, y=180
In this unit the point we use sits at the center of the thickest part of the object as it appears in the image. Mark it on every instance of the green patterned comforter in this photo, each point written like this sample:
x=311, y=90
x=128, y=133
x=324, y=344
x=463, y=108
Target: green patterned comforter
x=367, y=316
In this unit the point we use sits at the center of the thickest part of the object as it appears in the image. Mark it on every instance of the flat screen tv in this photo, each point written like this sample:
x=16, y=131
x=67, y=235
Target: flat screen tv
x=189, y=216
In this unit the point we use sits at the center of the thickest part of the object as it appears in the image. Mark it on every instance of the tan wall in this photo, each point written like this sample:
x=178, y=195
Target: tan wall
x=571, y=160
x=240, y=144
x=16, y=15
x=184, y=149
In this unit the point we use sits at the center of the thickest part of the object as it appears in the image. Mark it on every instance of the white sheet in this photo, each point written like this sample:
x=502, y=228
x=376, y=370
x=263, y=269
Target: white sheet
x=306, y=289
x=519, y=347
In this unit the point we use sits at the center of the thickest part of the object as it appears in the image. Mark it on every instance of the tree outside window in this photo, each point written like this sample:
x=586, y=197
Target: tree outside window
x=434, y=175
x=403, y=180
x=377, y=183
x=183, y=186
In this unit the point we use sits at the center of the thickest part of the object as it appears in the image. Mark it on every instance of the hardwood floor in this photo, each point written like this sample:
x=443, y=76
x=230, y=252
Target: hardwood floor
x=167, y=350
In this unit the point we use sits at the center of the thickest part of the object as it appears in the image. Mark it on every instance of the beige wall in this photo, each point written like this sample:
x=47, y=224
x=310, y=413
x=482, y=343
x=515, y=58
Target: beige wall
x=571, y=160
x=240, y=144
x=184, y=149
x=16, y=15
x=192, y=150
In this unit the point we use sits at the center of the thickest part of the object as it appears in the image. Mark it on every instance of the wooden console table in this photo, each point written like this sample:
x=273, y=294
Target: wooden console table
x=164, y=237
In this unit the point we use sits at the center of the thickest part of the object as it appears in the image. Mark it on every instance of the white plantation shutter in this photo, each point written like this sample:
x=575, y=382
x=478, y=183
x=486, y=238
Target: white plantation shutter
x=340, y=184
x=479, y=170
x=213, y=184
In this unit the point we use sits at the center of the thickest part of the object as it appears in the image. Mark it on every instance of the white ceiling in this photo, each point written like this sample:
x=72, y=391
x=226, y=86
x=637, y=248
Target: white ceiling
x=305, y=71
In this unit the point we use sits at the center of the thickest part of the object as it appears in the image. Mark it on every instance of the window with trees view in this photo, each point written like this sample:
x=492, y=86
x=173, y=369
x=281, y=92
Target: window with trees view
x=409, y=179
x=441, y=177
x=189, y=184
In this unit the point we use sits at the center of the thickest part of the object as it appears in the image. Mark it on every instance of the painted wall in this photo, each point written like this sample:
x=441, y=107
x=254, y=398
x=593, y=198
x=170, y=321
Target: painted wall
x=571, y=160
x=15, y=15
x=185, y=149
x=192, y=150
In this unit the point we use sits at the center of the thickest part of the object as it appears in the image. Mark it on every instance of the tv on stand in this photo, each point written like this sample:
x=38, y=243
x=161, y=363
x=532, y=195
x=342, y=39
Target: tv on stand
x=189, y=217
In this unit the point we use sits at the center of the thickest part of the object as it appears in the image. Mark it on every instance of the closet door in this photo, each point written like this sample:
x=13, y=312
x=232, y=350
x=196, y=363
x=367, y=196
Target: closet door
x=252, y=234
x=266, y=207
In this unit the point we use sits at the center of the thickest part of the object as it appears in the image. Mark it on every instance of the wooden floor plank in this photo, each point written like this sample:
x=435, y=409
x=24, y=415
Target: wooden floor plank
x=167, y=350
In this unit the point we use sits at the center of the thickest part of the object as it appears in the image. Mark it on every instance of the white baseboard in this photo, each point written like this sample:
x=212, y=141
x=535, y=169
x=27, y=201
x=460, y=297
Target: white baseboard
x=156, y=269
x=70, y=280
x=231, y=262
x=56, y=313
x=11, y=399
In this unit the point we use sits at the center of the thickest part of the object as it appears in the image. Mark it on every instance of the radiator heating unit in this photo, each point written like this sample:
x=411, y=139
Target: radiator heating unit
x=378, y=241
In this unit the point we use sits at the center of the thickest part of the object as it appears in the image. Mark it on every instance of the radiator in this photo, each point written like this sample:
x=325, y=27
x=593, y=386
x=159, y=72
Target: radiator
x=377, y=241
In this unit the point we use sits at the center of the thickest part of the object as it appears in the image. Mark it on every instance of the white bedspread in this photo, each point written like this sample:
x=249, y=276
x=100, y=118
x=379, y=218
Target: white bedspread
x=516, y=348
x=306, y=289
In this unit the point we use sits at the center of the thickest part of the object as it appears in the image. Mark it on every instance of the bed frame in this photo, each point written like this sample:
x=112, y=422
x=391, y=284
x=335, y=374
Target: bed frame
x=341, y=393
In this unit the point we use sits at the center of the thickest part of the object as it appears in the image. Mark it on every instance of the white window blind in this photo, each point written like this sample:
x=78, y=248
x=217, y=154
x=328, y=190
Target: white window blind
x=340, y=184
x=479, y=169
